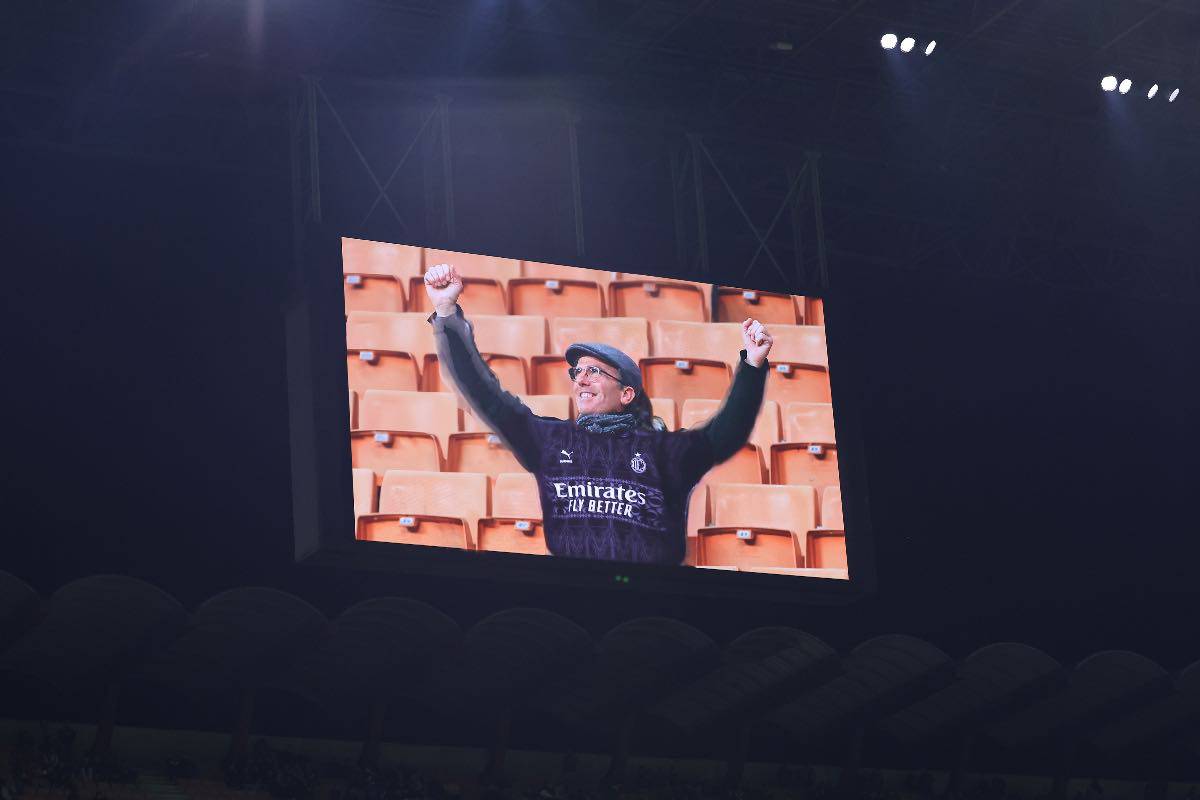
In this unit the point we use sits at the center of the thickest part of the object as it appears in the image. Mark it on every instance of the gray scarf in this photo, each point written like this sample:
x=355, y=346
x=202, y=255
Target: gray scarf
x=607, y=423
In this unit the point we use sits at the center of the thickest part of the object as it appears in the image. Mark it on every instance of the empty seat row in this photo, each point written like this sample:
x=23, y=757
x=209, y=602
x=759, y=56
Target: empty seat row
x=680, y=360
x=766, y=526
x=459, y=510
x=386, y=277
x=432, y=431
x=737, y=525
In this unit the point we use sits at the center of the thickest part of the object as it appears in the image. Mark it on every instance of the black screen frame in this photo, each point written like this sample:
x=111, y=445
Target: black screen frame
x=323, y=516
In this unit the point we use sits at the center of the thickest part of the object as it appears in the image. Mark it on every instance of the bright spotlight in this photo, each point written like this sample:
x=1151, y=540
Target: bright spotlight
x=888, y=41
x=1174, y=94
x=1109, y=83
x=908, y=44
x=1153, y=91
x=1125, y=86
x=929, y=47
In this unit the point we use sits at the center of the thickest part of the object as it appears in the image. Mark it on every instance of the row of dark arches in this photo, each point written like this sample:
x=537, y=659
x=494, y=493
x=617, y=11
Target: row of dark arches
x=100, y=633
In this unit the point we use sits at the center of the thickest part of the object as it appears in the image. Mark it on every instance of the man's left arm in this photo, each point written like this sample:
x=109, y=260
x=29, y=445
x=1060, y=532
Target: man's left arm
x=731, y=426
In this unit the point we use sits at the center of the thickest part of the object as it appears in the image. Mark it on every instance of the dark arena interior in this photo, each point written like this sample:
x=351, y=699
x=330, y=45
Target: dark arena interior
x=996, y=201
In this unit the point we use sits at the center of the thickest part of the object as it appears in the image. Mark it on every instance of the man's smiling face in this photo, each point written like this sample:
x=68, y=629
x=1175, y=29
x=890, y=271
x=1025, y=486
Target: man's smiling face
x=601, y=393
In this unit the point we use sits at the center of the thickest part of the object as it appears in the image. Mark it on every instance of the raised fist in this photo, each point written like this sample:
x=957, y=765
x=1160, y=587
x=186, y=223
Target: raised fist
x=443, y=285
x=758, y=342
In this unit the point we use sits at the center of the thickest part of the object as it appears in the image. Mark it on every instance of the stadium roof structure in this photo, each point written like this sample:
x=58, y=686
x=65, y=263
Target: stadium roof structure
x=636, y=663
x=1100, y=687
x=990, y=681
x=758, y=670
x=240, y=638
x=1146, y=724
x=778, y=683
x=878, y=677
x=94, y=631
x=376, y=650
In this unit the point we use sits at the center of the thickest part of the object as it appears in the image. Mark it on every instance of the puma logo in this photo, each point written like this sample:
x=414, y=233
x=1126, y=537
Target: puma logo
x=566, y=458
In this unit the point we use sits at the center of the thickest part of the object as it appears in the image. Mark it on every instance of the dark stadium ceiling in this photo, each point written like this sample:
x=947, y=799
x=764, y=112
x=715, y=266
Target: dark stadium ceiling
x=988, y=42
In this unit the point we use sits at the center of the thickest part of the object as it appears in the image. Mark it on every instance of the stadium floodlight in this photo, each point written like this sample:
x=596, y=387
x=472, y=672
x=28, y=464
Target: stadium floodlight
x=929, y=47
x=1125, y=86
x=908, y=44
x=1174, y=94
x=1109, y=83
x=1153, y=91
x=888, y=41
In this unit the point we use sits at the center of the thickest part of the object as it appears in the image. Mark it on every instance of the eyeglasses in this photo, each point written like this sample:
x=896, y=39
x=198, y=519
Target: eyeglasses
x=591, y=371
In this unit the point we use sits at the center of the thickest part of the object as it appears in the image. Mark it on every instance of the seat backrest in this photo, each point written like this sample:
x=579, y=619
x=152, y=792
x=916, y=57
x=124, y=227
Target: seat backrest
x=363, y=484
x=792, y=508
x=510, y=335
x=515, y=494
x=665, y=407
x=628, y=334
x=443, y=494
x=390, y=330
x=831, y=507
x=716, y=341
x=363, y=257
x=416, y=412
x=538, y=269
x=470, y=265
x=542, y=405
x=697, y=411
x=637, y=276
x=808, y=422
x=733, y=305
x=801, y=344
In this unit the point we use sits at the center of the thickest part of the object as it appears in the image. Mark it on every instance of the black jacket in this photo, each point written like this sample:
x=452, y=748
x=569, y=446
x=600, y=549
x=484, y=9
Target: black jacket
x=615, y=496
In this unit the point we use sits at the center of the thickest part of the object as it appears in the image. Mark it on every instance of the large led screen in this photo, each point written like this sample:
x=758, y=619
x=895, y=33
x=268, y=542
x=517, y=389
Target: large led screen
x=499, y=405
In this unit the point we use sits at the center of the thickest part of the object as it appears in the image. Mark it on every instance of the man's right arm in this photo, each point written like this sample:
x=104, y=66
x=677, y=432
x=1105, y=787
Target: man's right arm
x=462, y=364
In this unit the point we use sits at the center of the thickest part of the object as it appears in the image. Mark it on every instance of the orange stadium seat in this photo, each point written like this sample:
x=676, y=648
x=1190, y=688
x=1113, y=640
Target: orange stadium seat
x=437, y=509
x=656, y=298
x=363, y=482
x=480, y=451
x=757, y=525
x=515, y=525
x=363, y=257
x=548, y=375
x=538, y=269
x=372, y=293
x=697, y=518
x=766, y=426
x=507, y=343
x=353, y=409
x=799, y=365
x=549, y=372
x=483, y=282
x=509, y=370
x=555, y=297
x=831, y=508
x=384, y=350
x=543, y=405
x=808, y=454
x=814, y=311
x=735, y=305
x=826, y=547
x=748, y=465
x=691, y=359
x=403, y=430
x=665, y=407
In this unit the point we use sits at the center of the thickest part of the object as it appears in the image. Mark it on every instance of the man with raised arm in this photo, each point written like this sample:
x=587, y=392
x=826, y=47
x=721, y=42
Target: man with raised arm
x=614, y=484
